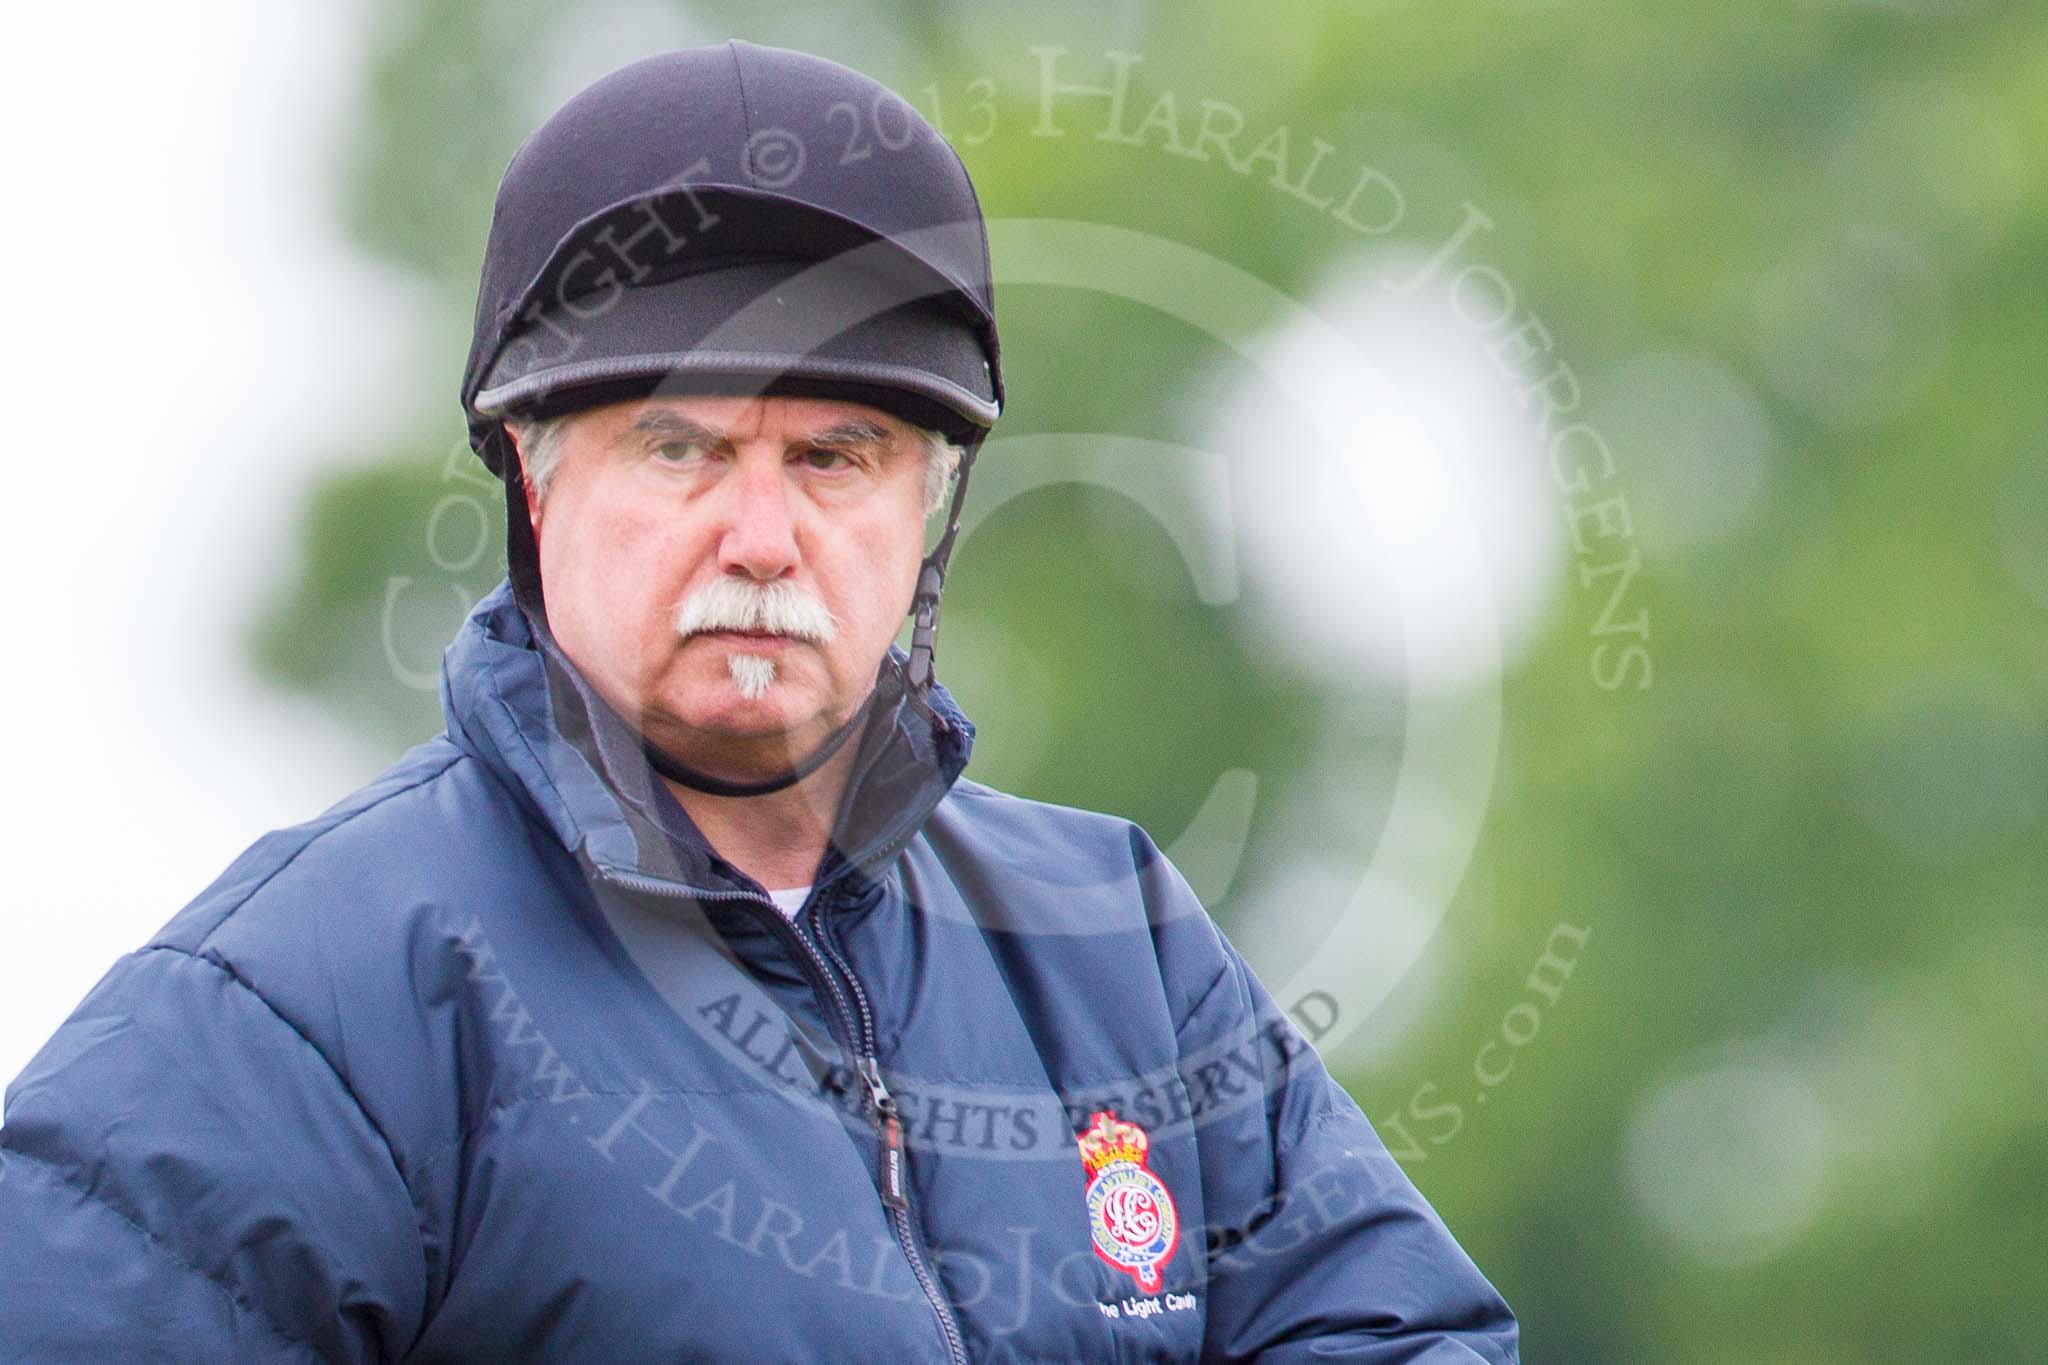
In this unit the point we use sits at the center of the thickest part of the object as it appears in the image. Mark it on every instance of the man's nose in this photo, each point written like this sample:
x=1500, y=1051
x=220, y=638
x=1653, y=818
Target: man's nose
x=760, y=531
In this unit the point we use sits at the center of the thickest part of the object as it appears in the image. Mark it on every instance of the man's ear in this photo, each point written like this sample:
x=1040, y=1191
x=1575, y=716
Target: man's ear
x=532, y=503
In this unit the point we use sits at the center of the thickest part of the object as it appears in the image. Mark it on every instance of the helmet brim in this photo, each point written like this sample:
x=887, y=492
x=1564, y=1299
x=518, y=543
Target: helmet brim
x=839, y=328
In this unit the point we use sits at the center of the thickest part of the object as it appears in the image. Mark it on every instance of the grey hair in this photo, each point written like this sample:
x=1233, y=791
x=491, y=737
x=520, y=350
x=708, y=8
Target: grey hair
x=540, y=450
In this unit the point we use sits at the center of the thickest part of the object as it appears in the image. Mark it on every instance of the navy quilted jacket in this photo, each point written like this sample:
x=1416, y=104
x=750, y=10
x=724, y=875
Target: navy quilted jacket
x=497, y=1061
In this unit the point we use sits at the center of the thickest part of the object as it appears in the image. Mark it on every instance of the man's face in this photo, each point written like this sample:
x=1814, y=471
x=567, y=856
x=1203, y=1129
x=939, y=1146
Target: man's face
x=655, y=501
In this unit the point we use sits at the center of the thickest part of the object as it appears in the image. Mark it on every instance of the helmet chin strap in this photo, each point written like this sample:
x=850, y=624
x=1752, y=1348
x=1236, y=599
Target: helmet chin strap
x=670, y=767
x=522, y=559
x=931, y=581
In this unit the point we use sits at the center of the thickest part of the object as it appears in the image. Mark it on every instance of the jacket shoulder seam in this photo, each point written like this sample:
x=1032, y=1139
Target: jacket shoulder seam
x=966, y=789
x=1202, y=1000
x=200, y=952
x=220, y=1286
x=198, y=948
x=390, y=1152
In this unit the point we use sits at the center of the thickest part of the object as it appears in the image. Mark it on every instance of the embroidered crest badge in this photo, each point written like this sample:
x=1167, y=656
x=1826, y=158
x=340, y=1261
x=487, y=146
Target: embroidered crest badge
x=1131, y=1217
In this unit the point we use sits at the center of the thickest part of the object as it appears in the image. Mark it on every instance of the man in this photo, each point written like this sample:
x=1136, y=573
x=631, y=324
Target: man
x=683, y=1001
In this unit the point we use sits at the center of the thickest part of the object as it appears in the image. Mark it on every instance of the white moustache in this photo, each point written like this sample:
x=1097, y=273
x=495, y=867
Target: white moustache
x=778, y=608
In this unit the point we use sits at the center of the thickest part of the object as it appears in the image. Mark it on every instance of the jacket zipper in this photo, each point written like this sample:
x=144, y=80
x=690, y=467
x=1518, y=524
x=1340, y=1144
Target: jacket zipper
x=890, y=1177
x=891, y=1129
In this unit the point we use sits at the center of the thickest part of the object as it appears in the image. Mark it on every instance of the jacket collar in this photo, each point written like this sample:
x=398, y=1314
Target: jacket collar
x=512, y=699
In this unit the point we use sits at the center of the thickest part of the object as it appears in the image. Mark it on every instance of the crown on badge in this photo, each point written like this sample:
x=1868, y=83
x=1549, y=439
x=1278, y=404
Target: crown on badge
x=1111, y=1139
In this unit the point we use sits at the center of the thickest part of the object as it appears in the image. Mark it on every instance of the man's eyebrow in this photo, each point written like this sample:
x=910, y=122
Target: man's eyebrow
x=854, y=431
x=661, y=424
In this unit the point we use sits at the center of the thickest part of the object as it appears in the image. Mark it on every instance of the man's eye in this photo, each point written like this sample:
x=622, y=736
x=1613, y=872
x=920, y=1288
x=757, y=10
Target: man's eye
x=679, y=452
x=821, y=458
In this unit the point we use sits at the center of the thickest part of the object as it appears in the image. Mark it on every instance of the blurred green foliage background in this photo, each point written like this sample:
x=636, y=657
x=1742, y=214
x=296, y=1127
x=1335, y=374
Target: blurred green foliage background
x=1786, y=1104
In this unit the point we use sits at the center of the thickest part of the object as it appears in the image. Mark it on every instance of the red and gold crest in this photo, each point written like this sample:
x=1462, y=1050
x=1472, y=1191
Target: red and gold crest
x=1131, y=1217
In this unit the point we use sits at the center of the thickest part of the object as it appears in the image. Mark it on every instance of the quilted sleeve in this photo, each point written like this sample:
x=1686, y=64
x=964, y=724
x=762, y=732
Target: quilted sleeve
x=1321, y=1247
x=184, y=1176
